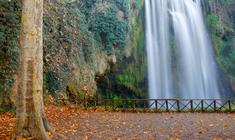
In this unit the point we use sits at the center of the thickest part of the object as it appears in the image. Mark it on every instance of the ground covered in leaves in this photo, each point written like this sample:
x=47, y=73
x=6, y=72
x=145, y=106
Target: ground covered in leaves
x=97, y=125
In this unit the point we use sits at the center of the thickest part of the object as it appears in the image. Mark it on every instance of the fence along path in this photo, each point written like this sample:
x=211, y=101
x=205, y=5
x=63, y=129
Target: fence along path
x=159, y=105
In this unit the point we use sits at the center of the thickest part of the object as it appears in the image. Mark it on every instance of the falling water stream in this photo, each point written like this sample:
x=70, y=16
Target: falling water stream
x=180, y=54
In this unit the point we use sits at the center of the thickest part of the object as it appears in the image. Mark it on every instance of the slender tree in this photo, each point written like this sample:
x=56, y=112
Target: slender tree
x=30, y=117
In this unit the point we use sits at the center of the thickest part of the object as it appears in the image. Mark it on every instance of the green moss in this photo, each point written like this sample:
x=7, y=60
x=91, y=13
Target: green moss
x=128, y=77
x=135, y=71
x=213, y=22
x=139, y=3
x=108, y=28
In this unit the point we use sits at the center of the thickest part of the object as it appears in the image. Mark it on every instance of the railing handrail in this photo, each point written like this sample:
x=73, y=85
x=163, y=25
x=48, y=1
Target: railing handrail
x=160, y=105
x=152, y=99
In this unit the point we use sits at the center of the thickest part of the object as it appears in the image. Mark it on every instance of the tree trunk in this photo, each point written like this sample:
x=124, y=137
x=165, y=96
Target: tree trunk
x=30, y=117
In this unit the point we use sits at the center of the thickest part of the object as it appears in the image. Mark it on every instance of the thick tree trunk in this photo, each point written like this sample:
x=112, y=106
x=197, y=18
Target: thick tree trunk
x=30, y=117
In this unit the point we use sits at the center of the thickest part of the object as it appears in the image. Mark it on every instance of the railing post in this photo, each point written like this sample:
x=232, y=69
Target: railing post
x=85, y=102
x=215, y=106
x=167, y=107
x=229, y=105
x=105, y=105
x=156, y=106
x=133, y=105
x=202, y=105
x=124, y=105
x=144, y=105
x=191, y=105
x=76, y=101
x=113, y=105
x=95, y=103
x=178, y=105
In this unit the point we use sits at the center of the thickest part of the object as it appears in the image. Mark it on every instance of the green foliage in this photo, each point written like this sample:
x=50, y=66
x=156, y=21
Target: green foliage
x=138, y=3
x=212, y=20
x=117, y=101
x=9, y=31
x=223, y=2
x=133, y=73
x=86, y=6
x=123, y=5
x=109, y=29
x=66, y=40
x=74, y=33
x=222, y=33
x=57, y=46
x=128, y=78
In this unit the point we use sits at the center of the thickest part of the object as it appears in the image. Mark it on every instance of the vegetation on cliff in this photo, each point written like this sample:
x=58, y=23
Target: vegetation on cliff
x=220, y=15
x=221, y=22
x=81, y=40
x=9, y=31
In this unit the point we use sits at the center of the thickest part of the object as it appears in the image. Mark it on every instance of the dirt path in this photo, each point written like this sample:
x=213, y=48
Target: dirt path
x=90, y=125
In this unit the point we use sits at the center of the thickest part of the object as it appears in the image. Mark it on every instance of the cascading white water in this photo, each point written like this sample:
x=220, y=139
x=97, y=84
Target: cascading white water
x=180, y=55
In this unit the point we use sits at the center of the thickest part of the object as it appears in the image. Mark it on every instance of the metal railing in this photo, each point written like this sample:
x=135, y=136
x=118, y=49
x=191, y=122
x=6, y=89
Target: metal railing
x=159, y=105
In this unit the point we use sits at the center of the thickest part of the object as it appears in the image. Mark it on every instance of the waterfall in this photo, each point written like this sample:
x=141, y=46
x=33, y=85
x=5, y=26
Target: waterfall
x=180, y=55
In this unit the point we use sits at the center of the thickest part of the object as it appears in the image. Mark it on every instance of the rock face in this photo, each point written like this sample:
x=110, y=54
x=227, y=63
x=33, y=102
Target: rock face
x=98, y=38
x=106, y=60
x=82, y=40
x=220, y=15
x=111, y=50
x=82, y=82
x=128, y=78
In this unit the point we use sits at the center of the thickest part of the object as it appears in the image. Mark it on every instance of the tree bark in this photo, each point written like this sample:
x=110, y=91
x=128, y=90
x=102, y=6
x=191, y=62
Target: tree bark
x=30, y=117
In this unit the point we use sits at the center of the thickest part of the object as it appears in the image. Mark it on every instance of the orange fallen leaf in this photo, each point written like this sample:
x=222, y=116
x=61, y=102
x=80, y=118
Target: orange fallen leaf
x=85, y=138
x=49, y=134
x=21, y=139
x=217, y=138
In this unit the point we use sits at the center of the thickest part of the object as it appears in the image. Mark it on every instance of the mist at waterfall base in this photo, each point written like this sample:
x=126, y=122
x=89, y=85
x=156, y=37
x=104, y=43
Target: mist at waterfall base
x=181, y=62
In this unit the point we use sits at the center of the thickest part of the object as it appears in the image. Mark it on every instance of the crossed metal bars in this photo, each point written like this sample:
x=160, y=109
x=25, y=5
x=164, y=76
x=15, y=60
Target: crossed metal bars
x=161, y=105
